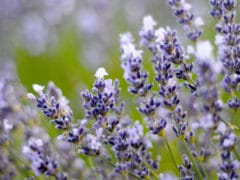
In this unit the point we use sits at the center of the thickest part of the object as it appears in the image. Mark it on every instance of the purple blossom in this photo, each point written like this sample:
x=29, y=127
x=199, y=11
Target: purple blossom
x=132, y=65
x=182, y=11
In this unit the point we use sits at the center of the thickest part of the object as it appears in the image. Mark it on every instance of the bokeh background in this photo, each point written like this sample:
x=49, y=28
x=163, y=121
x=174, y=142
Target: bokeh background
x=65, y=41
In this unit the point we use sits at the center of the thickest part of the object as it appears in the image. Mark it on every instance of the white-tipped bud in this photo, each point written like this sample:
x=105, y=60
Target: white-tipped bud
x=100, y=73
x=31, y=96
x=7, y=126
x=198, y=22
x=38, y=88
x=148, y=23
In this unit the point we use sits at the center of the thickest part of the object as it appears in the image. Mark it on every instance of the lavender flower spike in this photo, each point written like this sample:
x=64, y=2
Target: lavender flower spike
x=148, y=34
x=132, y=65
x=191, y=24
x=53, y=104
x=41, y=163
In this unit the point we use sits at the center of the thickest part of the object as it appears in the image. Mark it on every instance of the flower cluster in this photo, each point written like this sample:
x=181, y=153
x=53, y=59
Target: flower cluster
x=14, y=117
x=228, y=42
x=128, y=144
x=41, y=163
x=186, y=169
x=191, y=24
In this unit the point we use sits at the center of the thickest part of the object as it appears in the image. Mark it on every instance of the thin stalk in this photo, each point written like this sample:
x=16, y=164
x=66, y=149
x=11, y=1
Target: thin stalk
x=193, y=160
x=203, y=169
x=235, y=118
x=92, y=166
x=55, y=176
x=236, y=154
x=171, y=153
x=126, y=175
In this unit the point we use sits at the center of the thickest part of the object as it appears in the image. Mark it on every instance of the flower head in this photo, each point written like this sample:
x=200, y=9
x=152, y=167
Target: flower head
x=38, y=88
x=100, y=73
x=148, y=23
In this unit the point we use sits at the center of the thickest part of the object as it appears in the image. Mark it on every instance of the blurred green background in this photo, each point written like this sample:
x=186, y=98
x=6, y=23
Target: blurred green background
x=66, y=41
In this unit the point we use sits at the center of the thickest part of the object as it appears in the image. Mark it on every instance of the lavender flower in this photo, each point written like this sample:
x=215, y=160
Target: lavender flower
x=186, y=169
x=173, y=52
x=228, y=168
x=117, y=146
x=102, y=104
x=105, y=99
x=14, y=116
x=191, y=24
x=127, y=143
x=227, y=142
x=53, y=105
x=41, y=163
x=216, y=10
x=131, y=63
x=148, y=34
x=228, y=41
x=130, y=148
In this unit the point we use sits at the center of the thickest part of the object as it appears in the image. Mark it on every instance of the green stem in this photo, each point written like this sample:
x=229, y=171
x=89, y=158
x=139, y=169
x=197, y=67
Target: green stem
x=171, y=153
x=192, y=159
x=126, y=176
x=203, y=169
x=92, y=166
x=235, y=118
x=236, y=154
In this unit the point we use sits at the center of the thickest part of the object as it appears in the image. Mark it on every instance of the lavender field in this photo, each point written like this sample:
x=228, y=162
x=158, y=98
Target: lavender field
x=111, y=90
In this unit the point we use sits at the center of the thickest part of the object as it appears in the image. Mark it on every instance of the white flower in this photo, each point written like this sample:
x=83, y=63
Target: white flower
x=222, y=175
x=167, y=176
x=75, y=131
x=93, y=142
x=26, y=150
x=198, y=22
x=7, y=126
x=100, y=73
x=172, y=82
x=219, y=39
x=129, y=51
x=236, y=164
x=99, y=133
x=228, y=143
x=148, y=23
x=78, y=164
x=83, y=122
x=195, y=125
x=190, y=49
x=38, y=142
x=160, y=33
x=109, y=88
x=126, y=38
x=128, y=48
x=221, y=128
x=204, y=50
x=31, y=96
x=136, y=132
x=205, y=122
x=187, y=6
x=38, y=88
